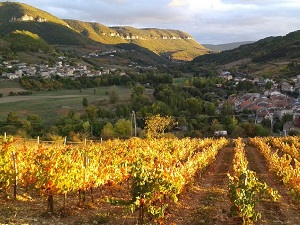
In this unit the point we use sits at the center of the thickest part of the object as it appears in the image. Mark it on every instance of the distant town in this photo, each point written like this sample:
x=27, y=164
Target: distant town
x=273, y=103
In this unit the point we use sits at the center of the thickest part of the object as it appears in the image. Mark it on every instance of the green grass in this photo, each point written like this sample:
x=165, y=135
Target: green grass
x=50, y=105
x=9, y=84
x=179, y=81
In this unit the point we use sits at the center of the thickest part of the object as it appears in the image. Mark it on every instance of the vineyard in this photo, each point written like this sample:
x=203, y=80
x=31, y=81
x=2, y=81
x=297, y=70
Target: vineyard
x=151, y=181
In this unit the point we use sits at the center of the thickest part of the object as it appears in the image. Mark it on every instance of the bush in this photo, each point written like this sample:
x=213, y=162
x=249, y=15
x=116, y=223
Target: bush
x=294, y=133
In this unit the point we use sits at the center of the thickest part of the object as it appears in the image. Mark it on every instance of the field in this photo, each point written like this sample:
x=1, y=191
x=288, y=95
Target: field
x=201, y=165
x=50, y=105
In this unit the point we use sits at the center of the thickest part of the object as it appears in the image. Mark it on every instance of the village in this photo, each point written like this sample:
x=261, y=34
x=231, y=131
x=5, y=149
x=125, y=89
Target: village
x=61, y=67
x=269, y=104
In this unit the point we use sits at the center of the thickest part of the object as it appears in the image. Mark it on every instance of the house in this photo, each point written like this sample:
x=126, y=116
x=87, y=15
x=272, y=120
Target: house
x=45, y=74
x=286, y=87
x=292, y=125
x=261, y=82
x=288, y=126
x=226, y=75
x=19, y=73
x=10, y=76
x=275, y=93
x=93, y=54
x=280, y=113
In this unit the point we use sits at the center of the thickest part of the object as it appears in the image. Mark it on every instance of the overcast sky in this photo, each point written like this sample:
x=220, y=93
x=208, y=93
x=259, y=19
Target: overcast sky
x=208, y=21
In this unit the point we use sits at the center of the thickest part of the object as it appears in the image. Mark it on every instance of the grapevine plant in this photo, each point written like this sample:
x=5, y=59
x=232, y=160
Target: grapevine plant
x=283, y=162
x=157, y=169
x=245, y=190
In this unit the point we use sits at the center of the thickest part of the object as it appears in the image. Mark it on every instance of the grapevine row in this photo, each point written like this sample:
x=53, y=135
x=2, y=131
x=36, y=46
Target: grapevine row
x=157, y=169
x=288, y=145
x=285, y=167
x=245, y=190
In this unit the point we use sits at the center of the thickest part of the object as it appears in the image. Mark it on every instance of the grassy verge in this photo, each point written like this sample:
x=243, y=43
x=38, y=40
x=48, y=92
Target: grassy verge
x=50, y=105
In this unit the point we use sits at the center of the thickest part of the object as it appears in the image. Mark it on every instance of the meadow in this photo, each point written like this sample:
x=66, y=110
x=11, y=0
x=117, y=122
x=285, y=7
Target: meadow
x=50, y=105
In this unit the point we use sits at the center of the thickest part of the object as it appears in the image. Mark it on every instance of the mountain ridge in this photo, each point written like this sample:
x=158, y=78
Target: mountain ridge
x=226, y=46
x=266, y=49
x=174, y=44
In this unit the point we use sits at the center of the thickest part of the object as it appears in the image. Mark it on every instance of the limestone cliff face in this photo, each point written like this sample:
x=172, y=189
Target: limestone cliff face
x=20, y=12
x=25, y=18
x=172, y=44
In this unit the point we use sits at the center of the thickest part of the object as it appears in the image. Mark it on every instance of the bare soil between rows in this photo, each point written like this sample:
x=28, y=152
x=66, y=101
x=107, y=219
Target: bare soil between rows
x=203, y=202
x=286, y=210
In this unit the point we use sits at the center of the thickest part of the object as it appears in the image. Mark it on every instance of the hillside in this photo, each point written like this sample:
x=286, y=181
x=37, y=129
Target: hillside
x=172, y=44
x=176, y=44
x=265, y=50
x=22, y=17
x=13, y=12
x=96, y=32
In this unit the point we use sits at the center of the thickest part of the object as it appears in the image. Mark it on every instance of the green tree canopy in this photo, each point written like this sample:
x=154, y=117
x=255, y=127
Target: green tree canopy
x=108, y=131
x=122, y=128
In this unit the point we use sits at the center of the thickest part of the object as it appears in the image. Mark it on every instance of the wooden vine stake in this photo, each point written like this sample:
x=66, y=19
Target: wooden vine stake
x=141, y=210
x=65, y=199
x=50, y=202
x=13, y=154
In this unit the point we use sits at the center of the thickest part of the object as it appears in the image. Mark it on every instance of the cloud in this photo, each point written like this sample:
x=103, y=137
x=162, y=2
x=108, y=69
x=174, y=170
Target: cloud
x=177, y=3
x=224, y=21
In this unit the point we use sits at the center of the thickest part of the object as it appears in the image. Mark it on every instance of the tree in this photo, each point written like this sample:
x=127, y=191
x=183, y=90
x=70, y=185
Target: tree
x=278, y=124
x=86, y=128
x=137, y=90
x=123, y=110
x=113, y=95
x=252, y=130
x=34, y=125
x=92, y=113
x=13, y=118
x=68, y=123
x=194, y=106
x=268, y=85
x=216, y=125
x=159, y=107
x=122, y=128
x=209, y=109
x=227, y=109
x=108, y=131
x=287, y=117
x=231, y=124
x=156, y=125
x=138, y=98
x=85, y=101
x=266, y=123
x=13, y=123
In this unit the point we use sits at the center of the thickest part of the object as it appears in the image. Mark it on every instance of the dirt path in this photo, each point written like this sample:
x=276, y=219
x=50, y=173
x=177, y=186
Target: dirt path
x=206, y=202
x=286, y=210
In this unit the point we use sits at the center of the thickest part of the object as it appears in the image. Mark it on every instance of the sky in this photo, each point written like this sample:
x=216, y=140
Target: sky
x=208, y=21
